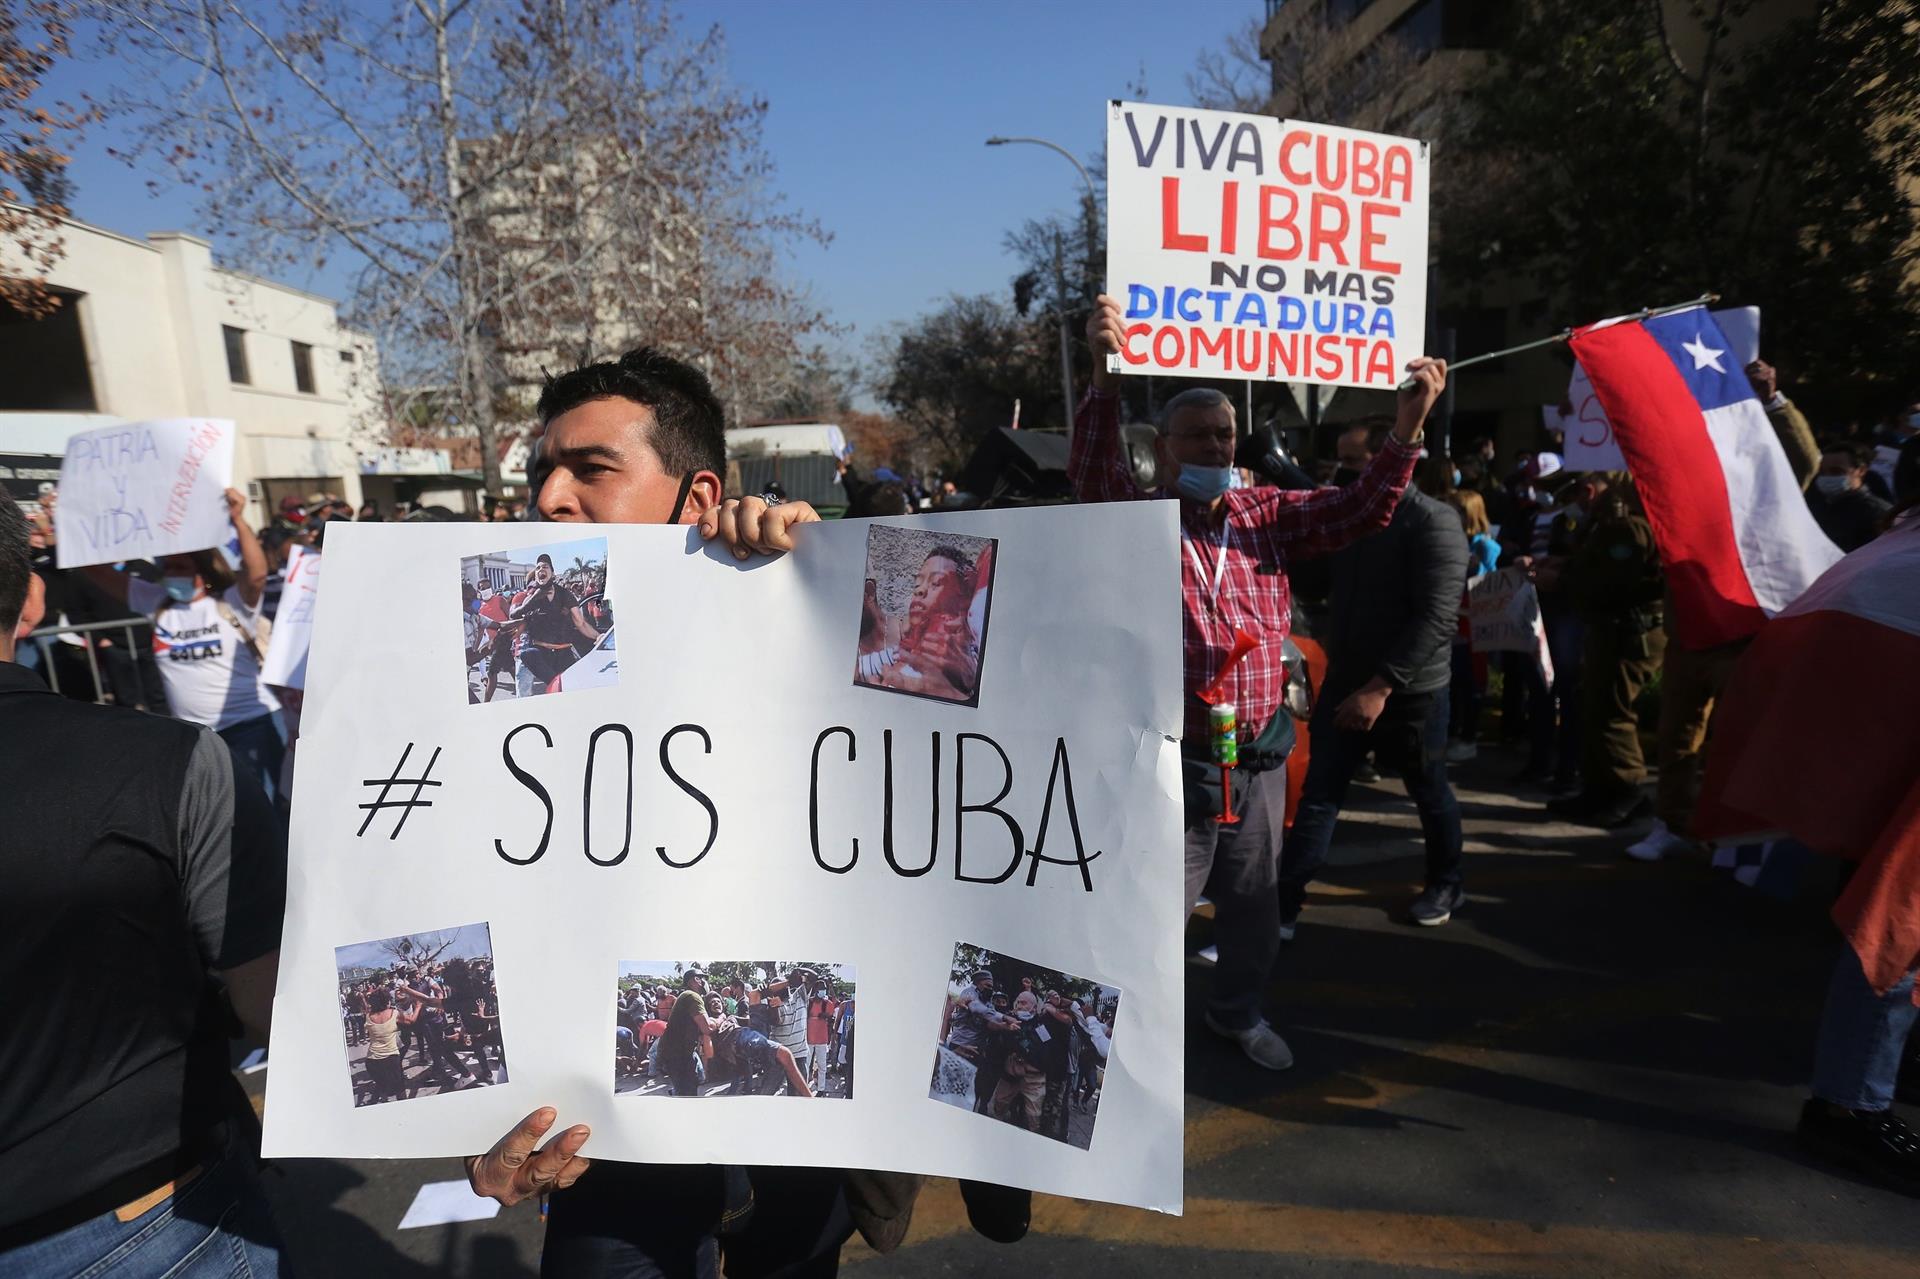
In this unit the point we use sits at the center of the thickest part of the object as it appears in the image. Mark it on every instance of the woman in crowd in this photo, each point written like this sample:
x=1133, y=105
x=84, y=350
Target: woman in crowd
x=384, y=1068
x=206, y=624
x=1483, y=556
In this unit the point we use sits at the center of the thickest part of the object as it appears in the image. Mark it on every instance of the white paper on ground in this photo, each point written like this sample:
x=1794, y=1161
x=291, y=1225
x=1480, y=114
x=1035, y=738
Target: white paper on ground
x=441, y=1202
x=144, y=490
x=1082, y=646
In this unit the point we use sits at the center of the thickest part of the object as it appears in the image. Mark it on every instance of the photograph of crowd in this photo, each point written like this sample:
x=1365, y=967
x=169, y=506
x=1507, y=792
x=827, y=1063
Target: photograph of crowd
x=1024, y=1044
x=420, y=1014
x=923, y=614
x=537, y=620
x=733, y=1028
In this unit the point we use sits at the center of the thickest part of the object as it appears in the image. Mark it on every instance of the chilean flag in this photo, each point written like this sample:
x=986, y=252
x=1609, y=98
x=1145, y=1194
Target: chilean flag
x=1835, y=767
x=1734, y=531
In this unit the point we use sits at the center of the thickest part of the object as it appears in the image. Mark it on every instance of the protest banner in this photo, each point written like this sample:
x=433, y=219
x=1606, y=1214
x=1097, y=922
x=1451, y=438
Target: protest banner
x=1503, y=615
x=144, y=490
x=861, y=773
x=1243, y=246
x=286, y=665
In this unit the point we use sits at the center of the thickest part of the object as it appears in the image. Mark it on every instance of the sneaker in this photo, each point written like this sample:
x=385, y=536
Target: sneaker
x=1657, y=843
x=1459, y=751
x=1366, y=774
x=1576, y=807
x=1288, y=927
x=1261, y=1043
x=1876, y=1143
x=1624, y=811
x=1435, y=905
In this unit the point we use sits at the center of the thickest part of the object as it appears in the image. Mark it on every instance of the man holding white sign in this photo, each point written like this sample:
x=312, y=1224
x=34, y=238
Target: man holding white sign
x=1234, y=589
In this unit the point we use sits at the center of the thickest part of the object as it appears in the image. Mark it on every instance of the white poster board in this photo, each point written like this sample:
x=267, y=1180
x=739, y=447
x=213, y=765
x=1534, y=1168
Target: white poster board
x=693, y=793
x=144, y=490
x=1503, y=616
x=1243, y=246
x=286, y=665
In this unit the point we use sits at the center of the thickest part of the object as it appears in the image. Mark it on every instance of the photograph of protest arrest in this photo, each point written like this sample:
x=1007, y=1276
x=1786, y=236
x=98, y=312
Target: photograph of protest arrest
x=1024, y=1044
x=733, y=1028
x=537, y=620
x=421, y=1015
x=923, y=614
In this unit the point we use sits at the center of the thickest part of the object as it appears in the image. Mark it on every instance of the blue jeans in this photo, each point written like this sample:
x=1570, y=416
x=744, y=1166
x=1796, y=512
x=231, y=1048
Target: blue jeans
x=1409, y=738
x=1856, y=1059
x=258, y=750
x=216, y=1227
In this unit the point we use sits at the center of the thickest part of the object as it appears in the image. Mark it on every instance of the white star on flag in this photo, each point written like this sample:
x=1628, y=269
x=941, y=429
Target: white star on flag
x=1704, y=356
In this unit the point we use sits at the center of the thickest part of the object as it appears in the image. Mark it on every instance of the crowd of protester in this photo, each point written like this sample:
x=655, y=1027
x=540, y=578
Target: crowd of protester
x=789, y=1031
x=1038, y=1054
x=425, y=1029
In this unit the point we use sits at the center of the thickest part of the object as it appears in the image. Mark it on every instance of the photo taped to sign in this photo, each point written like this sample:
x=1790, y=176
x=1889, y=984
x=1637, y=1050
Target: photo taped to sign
x=733, y=1028
x=923, y=613
x=420, y=1014
x=1243, y=246
x=537, y=620
x=1024, y=1044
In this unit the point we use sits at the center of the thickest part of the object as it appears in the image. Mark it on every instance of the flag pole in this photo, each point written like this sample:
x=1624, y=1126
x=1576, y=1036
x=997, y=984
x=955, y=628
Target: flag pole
x=1647, y=313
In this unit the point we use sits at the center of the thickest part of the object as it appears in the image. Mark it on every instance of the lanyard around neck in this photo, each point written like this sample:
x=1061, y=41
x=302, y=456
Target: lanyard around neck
x=1200, y=565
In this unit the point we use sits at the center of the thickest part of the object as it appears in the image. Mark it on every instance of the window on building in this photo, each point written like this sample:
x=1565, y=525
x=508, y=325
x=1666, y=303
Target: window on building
x=303, y=368
x=236, y=355
x=43, y=360
x=346, y=357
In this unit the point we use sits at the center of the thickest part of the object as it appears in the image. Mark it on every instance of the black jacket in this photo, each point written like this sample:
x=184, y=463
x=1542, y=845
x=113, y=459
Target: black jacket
x=1395, y=602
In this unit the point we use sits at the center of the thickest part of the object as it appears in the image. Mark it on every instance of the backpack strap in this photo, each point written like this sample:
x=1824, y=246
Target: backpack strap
x=246, y=632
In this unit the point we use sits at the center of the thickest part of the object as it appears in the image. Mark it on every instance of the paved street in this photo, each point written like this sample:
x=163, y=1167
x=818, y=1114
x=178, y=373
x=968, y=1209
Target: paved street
x=1592, y=1071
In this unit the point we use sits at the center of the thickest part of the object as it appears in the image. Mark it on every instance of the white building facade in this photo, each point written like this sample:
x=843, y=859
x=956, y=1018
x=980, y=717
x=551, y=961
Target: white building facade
x=153, y=329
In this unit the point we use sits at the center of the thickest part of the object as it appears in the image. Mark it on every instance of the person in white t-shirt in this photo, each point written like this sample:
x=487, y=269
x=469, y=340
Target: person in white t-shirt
x=206, y=627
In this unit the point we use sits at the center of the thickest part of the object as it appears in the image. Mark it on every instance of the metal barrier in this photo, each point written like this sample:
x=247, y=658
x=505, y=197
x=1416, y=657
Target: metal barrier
x=48, y=636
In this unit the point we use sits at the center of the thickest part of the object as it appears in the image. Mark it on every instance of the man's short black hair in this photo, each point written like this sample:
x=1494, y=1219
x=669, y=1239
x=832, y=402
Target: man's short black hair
x=16, y=564
x=689, y=430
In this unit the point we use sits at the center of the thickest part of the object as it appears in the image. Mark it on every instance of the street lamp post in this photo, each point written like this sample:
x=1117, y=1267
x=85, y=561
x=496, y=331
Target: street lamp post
x=1059, y=271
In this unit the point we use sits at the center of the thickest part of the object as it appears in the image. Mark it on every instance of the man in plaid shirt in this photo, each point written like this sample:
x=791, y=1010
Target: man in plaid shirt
x=1234, y=545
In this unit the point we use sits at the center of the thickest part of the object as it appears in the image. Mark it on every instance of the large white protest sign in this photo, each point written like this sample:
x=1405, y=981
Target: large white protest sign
x=1248, y=247
x=286, y=665
x=144, y=490
x=1503, y=616
x=839, y=783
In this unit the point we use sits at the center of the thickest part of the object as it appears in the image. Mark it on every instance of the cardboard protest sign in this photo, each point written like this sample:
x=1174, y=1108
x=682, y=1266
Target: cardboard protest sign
x=1503, y=615
x=1243, y=246
x=918, y=778
x=144, y=490
x=286, y=665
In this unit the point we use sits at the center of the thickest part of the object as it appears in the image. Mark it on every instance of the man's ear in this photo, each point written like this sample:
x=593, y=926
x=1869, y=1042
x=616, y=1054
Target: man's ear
x=33, y=610
x=702, y=496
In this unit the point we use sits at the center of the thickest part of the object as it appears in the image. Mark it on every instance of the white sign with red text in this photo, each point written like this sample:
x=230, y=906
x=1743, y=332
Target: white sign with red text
x=144, y=490
x=1242, y=246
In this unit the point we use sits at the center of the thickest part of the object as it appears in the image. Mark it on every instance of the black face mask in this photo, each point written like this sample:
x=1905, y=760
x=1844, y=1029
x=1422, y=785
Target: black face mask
x=680, y=498
x=1345, y=475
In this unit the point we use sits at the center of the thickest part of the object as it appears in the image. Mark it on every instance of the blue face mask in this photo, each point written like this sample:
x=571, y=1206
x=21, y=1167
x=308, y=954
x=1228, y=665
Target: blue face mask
x=181, y=590
x=1203, y=483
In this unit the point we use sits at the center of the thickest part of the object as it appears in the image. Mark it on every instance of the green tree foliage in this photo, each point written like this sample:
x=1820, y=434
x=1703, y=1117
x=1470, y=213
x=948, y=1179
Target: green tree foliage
x=953, y=375
x=1620, y=165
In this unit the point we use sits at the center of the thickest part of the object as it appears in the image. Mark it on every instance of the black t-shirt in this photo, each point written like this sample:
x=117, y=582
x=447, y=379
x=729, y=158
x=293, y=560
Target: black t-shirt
x=135, y=861
x=550, y=620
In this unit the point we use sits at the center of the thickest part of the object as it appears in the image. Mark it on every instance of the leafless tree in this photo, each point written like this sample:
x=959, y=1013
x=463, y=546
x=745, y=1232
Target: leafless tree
x=419, y=948
x=521, y=183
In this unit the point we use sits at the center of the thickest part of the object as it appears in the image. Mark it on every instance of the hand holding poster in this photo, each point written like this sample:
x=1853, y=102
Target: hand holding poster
x=906, y=753
x=144, y=490
x=1247, y=247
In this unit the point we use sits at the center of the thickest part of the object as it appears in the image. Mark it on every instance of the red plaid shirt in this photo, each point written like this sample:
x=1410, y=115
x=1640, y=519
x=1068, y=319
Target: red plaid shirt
x=1263, y=526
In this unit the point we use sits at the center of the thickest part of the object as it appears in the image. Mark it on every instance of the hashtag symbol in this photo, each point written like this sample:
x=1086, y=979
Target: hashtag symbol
x=387, y=784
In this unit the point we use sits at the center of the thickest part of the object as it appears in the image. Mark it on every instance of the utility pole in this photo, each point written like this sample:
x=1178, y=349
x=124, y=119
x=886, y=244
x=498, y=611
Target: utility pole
x=1066, y=342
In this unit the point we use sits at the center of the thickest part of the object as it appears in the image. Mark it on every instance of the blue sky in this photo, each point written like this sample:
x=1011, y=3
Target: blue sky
x=470, y=941
x=879, y=113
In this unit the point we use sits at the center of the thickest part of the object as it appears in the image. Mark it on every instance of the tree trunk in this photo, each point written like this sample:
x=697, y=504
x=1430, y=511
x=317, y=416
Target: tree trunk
x=476, y=390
